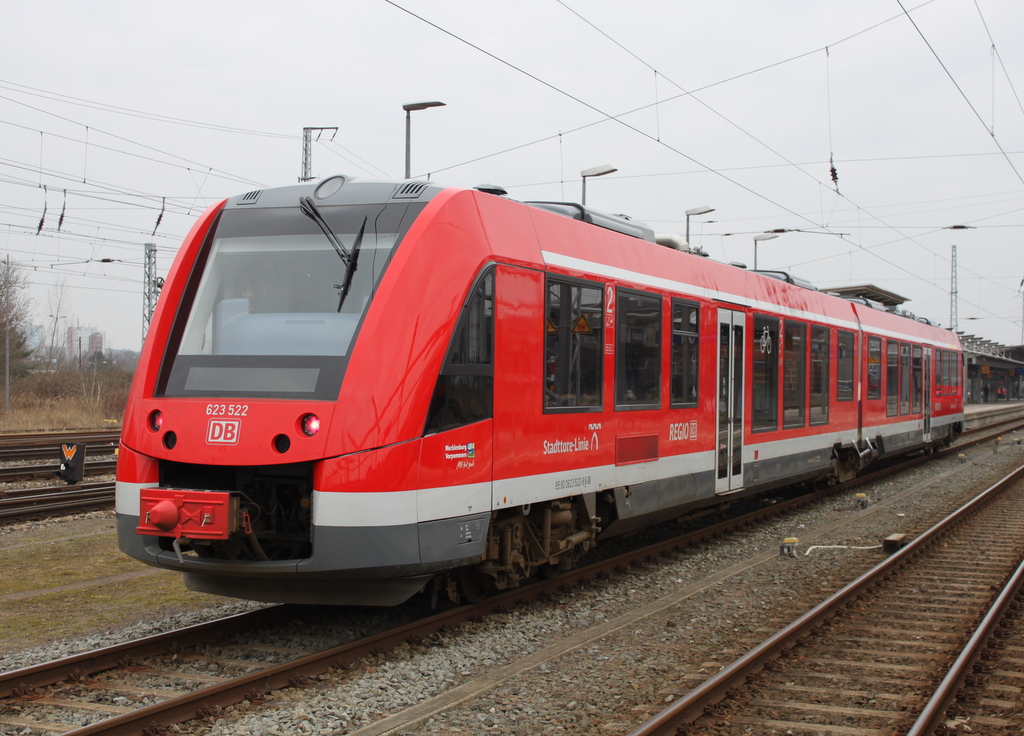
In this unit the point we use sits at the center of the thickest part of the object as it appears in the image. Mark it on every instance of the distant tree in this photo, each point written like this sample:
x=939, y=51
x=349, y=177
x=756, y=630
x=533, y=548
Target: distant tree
x=14, y=319
x=58, y=310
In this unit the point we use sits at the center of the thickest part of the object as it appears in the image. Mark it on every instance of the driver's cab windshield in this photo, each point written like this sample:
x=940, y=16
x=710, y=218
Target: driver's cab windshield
x=273, y=288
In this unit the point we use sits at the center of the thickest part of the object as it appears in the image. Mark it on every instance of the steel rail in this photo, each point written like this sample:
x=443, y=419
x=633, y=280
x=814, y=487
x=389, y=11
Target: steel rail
x=106, y=658
x=61, y=498
x=60, y=435
x=51, y=451
x=933, y=714
x=34, y=472
x=184, y=707
x=692, y=705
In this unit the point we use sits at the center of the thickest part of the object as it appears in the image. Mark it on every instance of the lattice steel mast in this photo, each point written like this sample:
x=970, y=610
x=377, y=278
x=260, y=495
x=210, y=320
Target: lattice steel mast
x=150, y=287
x=307, y=151
x=953, y=318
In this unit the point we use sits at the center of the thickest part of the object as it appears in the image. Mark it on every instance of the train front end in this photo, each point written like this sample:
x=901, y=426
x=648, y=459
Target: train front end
x=235, y=420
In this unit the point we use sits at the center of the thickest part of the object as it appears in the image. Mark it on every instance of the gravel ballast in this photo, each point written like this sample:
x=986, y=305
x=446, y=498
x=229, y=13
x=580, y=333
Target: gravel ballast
x=610, y=683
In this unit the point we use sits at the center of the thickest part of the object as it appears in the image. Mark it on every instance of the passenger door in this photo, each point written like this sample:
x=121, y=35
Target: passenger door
x=729, y=455
x=928, y=399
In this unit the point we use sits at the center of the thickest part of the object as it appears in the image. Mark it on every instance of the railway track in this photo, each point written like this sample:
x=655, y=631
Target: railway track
x=982, y=690
x=147, y=679
x=13, y=474
x=22, y=503
x=866, y=660
x=16, y=505
x=46, y=445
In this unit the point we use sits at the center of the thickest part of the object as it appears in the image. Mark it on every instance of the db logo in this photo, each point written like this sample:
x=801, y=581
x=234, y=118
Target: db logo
x=223, y=432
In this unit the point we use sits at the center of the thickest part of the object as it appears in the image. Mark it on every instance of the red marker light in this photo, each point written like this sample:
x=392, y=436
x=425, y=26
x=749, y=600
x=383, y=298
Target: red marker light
x=156, y=420
x=310, y=424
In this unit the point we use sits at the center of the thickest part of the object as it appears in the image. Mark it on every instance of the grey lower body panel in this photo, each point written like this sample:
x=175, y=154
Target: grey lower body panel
x=901, y=442
x=371, y=592
x=662, y=500
x=778, y=471
x=656, y=501
x=349, y=565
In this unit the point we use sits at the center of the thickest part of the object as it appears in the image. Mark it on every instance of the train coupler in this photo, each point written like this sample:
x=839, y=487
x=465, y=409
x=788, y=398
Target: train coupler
x=165, y=512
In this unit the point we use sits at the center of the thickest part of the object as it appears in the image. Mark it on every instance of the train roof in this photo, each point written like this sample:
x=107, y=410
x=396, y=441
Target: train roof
x=644, y=262
x=628, y=249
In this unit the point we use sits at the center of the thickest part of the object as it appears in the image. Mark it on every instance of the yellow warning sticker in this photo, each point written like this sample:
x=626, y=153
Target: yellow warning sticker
x=582, y=327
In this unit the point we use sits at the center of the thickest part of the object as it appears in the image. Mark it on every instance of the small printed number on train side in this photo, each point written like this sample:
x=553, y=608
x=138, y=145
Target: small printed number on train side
x=227, y=410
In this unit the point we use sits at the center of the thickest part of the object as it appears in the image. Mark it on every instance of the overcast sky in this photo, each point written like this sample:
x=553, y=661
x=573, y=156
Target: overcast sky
x=113, y=111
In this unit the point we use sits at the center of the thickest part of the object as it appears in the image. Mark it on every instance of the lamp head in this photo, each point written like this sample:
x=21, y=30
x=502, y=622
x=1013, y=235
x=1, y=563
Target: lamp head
x=421, y=105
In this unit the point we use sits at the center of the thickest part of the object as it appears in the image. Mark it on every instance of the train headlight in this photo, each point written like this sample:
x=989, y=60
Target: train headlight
x=310, y=424
x=156, y=420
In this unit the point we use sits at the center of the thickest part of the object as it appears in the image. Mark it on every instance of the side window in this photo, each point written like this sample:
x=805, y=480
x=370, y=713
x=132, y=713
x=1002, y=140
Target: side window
x=954, y=370
x=794, y=375
x=573, y=345
x=874, y=367
x=637, y=349
x=892, y=378
x=904, y=378
x=766, y=373
x=685, y=352
x=845, y=367
x=918, y=385
x=940, y=375
x=819, y=375
x=464, y=392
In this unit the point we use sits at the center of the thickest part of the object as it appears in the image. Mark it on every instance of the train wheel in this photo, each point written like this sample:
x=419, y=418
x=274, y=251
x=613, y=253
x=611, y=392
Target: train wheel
x=474, y=586
x=548, y=572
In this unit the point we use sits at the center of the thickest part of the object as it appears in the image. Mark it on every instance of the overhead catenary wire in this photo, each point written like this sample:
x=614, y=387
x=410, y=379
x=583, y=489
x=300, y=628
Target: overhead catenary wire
x=95, y=105
x=222, y=174
x=156, y=203
x=963, y=94
x=619, y=119
x=997, y=56
x=832, y=167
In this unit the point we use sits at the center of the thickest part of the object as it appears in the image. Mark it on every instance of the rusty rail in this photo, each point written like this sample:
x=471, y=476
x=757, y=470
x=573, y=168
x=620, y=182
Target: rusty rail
x=693, y=704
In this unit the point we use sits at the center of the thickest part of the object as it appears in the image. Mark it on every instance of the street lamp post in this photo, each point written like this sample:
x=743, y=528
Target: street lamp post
x=757, y=238
x=596, y=171
x=408, y=129
x=702, y=210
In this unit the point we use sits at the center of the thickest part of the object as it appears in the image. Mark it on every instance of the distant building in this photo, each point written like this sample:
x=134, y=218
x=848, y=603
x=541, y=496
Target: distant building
x=995, y=372
x=96, y=343
x=35, y=338
x=82, y=343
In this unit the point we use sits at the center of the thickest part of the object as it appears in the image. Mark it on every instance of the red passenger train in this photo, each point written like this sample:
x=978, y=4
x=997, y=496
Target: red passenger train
x=353, y=391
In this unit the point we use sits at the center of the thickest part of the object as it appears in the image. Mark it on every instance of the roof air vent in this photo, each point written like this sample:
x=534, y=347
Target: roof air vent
x=251, y=197
x=410, y=190
x=495, y=189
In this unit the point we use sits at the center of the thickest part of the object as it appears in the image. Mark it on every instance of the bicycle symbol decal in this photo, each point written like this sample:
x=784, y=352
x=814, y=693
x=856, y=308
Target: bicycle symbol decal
x=765, y=341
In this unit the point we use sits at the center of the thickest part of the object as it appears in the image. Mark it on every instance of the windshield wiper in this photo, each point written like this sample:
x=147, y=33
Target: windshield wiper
x=350, y=266
x=310, y=210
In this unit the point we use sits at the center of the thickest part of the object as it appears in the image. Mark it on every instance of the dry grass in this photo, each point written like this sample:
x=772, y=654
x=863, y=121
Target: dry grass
x=66, y=400
x=68, y=579
x=69, y=413
x=52, y=563
x=49, y=617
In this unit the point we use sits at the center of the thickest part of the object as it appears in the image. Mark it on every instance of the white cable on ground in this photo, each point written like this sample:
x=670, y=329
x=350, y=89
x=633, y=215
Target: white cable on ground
x=837, y=546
